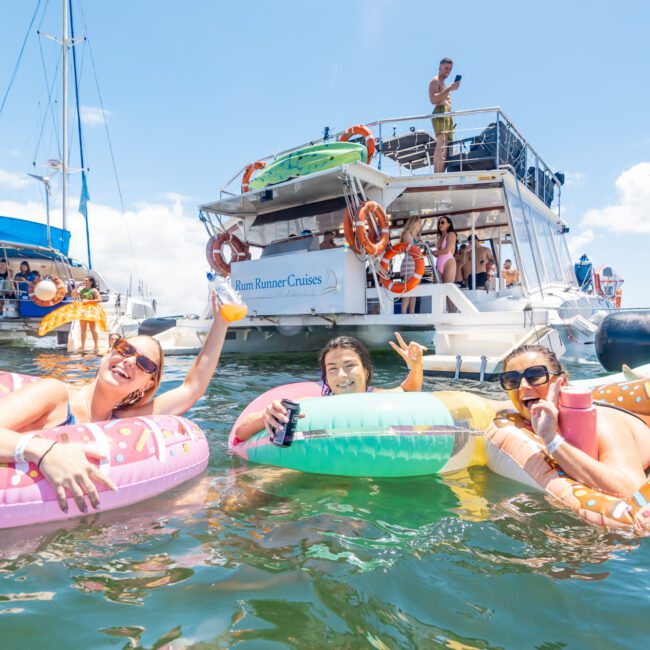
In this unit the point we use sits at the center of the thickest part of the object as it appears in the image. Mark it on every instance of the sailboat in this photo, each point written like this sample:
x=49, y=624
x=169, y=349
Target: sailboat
x=53, y=276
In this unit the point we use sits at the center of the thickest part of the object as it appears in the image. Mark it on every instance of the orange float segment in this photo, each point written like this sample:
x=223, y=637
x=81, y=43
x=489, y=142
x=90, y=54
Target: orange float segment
x=215, y=254
x=401, y=286
x=366, y=133
x=348, y=229
x=58, y=296
x=371, y=247
x=248, y=173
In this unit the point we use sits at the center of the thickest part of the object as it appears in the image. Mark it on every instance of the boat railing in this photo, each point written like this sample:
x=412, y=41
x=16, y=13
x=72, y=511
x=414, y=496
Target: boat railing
x=483, y=139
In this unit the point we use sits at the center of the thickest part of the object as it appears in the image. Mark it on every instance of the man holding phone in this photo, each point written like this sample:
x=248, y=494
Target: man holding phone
x=439, y=94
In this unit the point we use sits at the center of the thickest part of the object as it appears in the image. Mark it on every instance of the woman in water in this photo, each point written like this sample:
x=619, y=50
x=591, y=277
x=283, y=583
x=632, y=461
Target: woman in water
x=89, y=293
x=533, y=376
x=124, y=386
x=445, y=249
x=345, y=368
x=410, y=235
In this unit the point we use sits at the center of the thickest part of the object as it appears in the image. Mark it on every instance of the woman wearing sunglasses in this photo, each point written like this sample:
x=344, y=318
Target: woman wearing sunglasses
x=532, y=377
x=124, y=386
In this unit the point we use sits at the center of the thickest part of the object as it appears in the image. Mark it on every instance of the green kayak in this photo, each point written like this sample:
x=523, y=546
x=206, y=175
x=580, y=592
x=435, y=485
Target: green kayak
x=309, y=160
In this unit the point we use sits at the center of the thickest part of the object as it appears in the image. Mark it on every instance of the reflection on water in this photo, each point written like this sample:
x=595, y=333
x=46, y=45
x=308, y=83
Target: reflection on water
x=261, y=557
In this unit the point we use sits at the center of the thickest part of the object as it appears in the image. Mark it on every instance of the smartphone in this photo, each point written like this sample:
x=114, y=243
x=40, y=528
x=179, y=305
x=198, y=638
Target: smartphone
x=458, y=78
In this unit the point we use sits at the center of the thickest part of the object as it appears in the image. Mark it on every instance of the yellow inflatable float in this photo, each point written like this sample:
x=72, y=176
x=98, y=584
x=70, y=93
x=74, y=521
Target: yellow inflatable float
x=89, y=311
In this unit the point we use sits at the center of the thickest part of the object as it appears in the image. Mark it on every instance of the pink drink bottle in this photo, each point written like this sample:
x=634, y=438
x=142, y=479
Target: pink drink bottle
x=578, y=419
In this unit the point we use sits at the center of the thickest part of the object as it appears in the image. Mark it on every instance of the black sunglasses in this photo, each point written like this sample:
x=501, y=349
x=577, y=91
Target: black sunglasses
x=123, y=347
x=534, y=376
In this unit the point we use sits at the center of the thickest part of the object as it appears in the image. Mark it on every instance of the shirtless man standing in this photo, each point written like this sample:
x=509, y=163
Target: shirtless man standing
x=439, y=94
x=483, y=255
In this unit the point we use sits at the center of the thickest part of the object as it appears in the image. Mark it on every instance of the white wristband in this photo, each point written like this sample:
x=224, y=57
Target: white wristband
x=19, y=451
x=555, y=444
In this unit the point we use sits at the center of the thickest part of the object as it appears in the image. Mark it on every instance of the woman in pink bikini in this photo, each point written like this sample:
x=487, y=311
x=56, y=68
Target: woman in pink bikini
x=445, y=250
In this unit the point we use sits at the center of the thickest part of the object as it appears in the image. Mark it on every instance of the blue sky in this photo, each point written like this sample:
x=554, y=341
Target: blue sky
x=196, y=89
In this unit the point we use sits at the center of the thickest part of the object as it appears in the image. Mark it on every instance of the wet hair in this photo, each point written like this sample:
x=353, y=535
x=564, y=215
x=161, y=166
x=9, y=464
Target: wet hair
x=449, y=221
x=550, y=356
x=93, y=283
x=446, y=59
x=138, y=397
x=346, y=343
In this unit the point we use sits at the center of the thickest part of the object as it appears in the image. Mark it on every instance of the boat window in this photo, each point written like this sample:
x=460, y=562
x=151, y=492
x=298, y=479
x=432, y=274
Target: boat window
x=551, y=263
x=559, y=239
x=525, y=247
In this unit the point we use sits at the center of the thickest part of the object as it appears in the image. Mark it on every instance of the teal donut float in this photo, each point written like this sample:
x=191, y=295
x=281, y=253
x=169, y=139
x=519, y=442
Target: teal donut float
x=380, y=434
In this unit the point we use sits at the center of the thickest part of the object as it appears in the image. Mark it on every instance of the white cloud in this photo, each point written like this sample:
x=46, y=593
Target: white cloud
x=631, y=212
x=578, y=242
x=93, y=116
x=574, y=179
x=168, y=245
x=16, y=181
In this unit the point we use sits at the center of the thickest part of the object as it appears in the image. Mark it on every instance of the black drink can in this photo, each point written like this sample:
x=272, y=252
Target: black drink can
x=283, y=436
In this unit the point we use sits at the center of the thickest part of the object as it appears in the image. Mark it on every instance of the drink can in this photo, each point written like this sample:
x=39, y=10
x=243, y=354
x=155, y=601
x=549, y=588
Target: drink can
x=283, y=436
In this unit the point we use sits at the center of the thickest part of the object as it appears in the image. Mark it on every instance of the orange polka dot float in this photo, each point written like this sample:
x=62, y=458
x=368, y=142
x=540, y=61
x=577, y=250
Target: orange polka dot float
x=146, y=457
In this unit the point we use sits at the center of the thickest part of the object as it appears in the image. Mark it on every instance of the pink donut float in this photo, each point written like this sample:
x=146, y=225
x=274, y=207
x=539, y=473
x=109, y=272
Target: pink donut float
x=147, y=456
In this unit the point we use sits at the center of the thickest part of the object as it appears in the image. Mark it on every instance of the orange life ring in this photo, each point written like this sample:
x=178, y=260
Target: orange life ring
x=401, y=286
x=248, y=172
x=363, y=130
x=617, y=299
x=58, y=296
x=215, y=255
x=363, y=236
x=348, y=229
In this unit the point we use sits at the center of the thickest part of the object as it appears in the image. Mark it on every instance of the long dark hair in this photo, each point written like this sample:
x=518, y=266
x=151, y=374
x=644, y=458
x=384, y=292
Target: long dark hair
x=551, y=358
x=93, y=283
x=449, y=221
x=348, y=343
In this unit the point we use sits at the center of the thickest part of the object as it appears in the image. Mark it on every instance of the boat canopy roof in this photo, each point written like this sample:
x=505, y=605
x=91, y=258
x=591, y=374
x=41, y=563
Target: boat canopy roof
x=19, y=233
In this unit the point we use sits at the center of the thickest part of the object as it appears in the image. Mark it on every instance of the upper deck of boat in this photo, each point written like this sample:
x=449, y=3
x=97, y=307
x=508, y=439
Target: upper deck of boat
x=486, y=149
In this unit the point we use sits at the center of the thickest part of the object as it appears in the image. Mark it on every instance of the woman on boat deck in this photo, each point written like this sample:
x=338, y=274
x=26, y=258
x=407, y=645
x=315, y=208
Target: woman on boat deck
x=124, y=386
x=410, y=235
x=533, y=376
x=445, y=250
x=345, y=367
x=89, y=293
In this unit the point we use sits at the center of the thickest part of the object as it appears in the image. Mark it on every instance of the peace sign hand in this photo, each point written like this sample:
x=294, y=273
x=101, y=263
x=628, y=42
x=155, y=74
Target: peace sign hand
x=545, y=414
x=411, y=353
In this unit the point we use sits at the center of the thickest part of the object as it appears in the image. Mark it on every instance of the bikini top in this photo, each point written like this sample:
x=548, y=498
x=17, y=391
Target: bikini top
x=71, y=419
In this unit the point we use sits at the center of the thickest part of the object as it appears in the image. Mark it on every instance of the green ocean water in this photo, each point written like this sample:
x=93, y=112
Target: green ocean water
x=252, y=557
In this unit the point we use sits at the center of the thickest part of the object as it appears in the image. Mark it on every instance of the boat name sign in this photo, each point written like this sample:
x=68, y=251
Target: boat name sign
x=334, y=283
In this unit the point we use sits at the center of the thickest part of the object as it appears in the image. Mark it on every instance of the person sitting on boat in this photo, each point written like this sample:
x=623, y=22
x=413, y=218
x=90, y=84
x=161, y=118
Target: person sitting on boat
x=440, y=97
x=6, y=285
x=532, y=376
x=509, y=274
x=124, y=386
x=482, y=255
x=89, y=293
x=346, y=368
x=328, y=240
x=445, y=249
x=410, y=235
x=26, y=275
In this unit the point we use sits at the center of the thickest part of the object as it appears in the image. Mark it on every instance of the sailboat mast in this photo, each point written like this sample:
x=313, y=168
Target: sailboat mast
x=64, y=162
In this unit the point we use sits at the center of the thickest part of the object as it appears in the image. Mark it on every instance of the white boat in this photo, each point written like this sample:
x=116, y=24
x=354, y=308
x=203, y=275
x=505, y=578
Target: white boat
x=45, y=247
x=495, y=186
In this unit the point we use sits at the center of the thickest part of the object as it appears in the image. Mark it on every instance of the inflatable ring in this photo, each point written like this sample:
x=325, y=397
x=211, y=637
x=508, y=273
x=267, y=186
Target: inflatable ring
x=371, y=247
x=401, y=286
x=248, y=173
x=373, y=434
x=362, y=130
x=147, y=456
x=215, y=254
x=58, y=296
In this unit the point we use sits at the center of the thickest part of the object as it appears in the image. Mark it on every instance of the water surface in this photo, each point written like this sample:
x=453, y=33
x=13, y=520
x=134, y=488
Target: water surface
x=253, y=557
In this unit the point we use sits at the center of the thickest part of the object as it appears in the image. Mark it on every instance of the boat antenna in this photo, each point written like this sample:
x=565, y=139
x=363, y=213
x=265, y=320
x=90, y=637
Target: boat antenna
x=85, y=196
